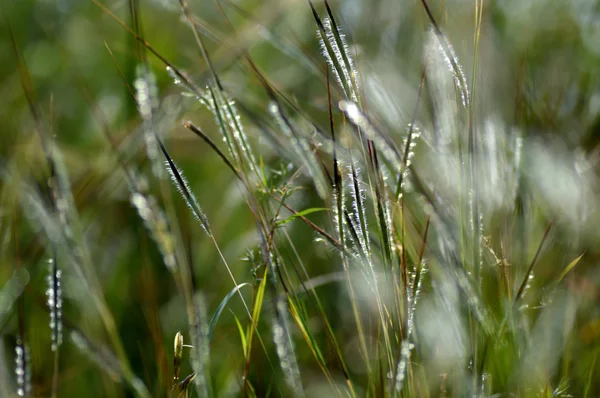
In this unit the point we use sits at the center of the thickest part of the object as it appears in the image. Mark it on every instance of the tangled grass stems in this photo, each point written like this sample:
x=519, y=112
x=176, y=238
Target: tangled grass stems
x=397, y=214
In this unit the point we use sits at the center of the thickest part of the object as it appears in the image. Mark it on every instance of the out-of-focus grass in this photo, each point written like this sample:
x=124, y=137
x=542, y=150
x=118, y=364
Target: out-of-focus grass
x=423, y=225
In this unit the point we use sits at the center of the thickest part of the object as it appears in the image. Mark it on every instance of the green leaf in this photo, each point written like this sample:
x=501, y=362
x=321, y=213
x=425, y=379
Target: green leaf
x=301, y=214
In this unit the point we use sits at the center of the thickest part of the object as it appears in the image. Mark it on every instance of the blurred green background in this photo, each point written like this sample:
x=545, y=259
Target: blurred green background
x=539, y=73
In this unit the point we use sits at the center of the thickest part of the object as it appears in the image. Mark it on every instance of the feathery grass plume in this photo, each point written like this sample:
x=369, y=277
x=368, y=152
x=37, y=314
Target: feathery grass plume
x=446, y=79
x=337, y=53
x=446, y=114
x=357, y=117
x=154, y=220
x=229, y=123
x=449, y=123
x=383, y=144
x=359, y=195
x=227, y=118
x=409, y=144
x=441, y=42
x=338, y=186
x=339, y=210
x=54, y=294
x=200, y=357
x=183, y=187
x=146, y=94
x=23, y=369
x=333, y=62
x=303, y=154
x=382, y=208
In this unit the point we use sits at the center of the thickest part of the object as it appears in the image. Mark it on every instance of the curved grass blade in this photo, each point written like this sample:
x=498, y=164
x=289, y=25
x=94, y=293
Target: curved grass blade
x=11, y=291
x=221, y=307
x=530, y=269
x=301, y=214
x=569, y=267
x=253, y=328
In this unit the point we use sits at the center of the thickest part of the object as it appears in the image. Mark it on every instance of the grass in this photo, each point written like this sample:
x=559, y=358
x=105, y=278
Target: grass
x=355, y=221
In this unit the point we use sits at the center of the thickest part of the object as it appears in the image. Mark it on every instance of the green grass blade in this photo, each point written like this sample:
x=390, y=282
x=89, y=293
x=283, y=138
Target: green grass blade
x=301, y=214
x=221, y=307
x=569, y=267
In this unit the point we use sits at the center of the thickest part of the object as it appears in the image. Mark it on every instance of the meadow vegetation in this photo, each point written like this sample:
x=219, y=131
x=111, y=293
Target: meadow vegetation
x=300, y=198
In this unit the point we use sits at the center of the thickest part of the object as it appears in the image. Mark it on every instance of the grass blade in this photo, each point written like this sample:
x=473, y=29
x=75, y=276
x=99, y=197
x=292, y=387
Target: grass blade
x=220, y=308
x=569, y=267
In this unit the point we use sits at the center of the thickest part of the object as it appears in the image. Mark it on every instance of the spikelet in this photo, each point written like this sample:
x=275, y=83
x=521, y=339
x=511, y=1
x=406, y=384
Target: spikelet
x=177, y=356
x=229, y=122
x=22, y=369
x=409, y=144
x=54, y=294
x=183, y=187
